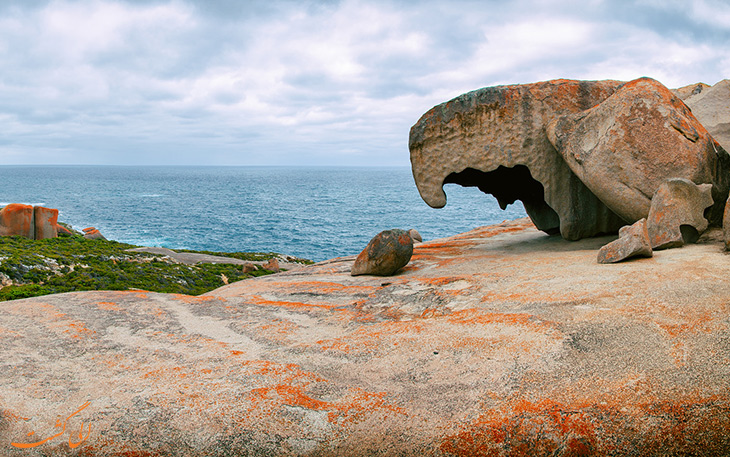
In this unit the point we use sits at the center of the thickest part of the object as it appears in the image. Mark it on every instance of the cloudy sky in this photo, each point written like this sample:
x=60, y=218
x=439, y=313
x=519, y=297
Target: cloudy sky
x=237, y=82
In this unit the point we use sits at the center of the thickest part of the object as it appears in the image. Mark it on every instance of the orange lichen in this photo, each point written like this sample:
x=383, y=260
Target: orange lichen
x=257, y=300
x=195, y=299
x=547, y=427
x=109, y=306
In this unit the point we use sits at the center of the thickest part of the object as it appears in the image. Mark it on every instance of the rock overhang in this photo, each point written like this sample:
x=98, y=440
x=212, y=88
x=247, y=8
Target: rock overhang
x=483, y=138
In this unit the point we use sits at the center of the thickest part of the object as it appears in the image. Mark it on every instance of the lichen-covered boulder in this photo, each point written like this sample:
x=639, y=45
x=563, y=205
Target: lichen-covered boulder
x=676, y=216
x=633, y=241
x=711, y=106
x=91, y=233
x=46, y=222
x=385, y=254
x=17, y=220
x=626, y=147
x=494, y=138
x=272, y=265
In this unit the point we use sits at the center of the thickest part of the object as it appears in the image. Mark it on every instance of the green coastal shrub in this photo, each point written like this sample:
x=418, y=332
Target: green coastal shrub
x=72, y=263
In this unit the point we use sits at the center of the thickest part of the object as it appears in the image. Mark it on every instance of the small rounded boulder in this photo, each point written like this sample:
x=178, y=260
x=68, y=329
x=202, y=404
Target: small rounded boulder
x=385, y=254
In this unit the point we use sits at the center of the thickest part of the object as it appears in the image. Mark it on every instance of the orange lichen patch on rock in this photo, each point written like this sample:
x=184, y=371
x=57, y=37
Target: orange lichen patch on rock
x=7, y=415
x=276, y=330
x=522, y=427
x=324, y=287
x=195, y=299
x=546, y=427
x=493, y=230
x=74, y=329
x=257, y=300
x=359, y=405
x=478, y=317
x=109, y=306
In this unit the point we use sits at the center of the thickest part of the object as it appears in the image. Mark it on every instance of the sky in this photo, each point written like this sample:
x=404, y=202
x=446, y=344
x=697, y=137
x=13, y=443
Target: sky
x=340, y=83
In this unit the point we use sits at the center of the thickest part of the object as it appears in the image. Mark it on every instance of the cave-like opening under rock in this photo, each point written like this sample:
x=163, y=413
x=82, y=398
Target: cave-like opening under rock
x=508, y=185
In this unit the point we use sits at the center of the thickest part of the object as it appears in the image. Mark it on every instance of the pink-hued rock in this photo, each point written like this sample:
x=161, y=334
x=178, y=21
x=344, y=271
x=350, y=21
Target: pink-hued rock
x=627, y=146
x=499, y=341
x=46, y=222
x=17, y=220
x=633, y=241
x=494, y=139
x=272, y=265
x=385, y=254
x=677, y=212
x=93, y=234
x=711, y=106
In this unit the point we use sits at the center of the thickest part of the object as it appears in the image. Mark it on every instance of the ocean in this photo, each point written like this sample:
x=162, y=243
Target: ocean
x=316, y=213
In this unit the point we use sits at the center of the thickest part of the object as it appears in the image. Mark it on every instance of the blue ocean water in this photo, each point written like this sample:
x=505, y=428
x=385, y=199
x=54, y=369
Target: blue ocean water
x=314, y=213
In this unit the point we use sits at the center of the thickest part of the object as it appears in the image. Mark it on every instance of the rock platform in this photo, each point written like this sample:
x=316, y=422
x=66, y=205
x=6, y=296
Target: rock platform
x=499, y=341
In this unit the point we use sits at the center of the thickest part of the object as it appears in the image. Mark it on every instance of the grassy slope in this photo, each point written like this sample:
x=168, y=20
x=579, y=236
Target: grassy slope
x=65, y=264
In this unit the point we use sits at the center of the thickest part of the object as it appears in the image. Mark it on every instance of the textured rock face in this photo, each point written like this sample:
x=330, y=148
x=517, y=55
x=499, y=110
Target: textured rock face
x=91, y=233
x=633, y=241
x=17, y=220
x=711, y=106
x=35, y=223
x=46, y=222
x=501, y=341
x=630, y=144
x=385, y=254
x=494, y=138
x=677, y=211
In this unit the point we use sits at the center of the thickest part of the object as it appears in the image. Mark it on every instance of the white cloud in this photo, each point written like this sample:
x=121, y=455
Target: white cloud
x=106, y=81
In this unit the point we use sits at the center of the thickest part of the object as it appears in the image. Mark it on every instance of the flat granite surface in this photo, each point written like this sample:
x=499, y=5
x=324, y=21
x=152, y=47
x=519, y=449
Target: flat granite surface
x=499, y=341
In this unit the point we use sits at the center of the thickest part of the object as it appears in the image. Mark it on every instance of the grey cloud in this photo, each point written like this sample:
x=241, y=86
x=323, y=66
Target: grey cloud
x=286, y=82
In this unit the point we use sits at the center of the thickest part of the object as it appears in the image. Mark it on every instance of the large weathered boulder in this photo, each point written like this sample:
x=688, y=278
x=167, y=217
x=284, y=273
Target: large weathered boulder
x=17, y=220
x=676, y=216
x=633, y=241
x=46, y=222
x=385, y=254
x=711, y=106
x=626, y=147
x=494, y=138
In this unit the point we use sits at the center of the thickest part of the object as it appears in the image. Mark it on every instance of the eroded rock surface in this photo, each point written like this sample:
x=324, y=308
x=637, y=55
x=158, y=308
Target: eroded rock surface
x=627, y=146
x=35, y=223
x=633, y=241
x=385, y=254
x=498, y=341
x=494, y=138
x=676, y=216
x=17, y=220
x=711, y=106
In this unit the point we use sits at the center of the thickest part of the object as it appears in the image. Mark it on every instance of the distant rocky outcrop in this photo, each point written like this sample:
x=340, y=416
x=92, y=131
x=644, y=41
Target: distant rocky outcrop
x=35, y=223
x=92, y=233
x=585, y=157
x=385, y=254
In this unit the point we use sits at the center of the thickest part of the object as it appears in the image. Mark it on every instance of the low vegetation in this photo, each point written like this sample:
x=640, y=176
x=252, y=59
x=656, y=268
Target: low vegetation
x=30, y=268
